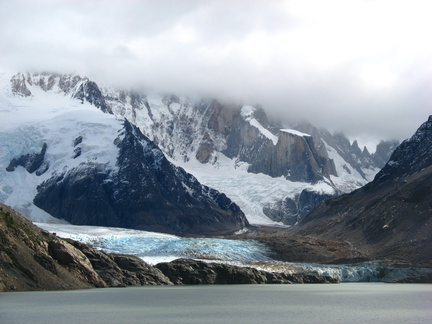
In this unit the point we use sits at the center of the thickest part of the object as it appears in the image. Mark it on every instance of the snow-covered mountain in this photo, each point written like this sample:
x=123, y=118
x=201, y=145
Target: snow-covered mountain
x=61, y=156
x=275, y=173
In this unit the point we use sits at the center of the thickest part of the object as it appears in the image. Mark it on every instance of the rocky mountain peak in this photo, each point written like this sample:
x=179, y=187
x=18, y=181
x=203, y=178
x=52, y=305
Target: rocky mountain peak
x=90, y=92
x=383, y=152
x=410, y=157
x=18, y=85
x=61, y=83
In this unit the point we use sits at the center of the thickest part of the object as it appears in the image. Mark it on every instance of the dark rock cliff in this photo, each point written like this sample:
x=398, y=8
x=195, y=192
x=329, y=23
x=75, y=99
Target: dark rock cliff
x=89, y=91
x=31, y=162
x=412, y=156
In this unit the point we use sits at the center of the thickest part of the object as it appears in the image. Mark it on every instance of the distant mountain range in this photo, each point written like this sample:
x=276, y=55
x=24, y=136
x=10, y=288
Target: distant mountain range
x=273, y=172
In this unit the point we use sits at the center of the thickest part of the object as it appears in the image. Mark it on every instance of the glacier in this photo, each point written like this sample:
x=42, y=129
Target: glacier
x=155, y=247
x=251, y=192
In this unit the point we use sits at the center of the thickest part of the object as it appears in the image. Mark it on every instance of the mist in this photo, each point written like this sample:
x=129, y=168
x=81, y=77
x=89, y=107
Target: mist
x=360, y=67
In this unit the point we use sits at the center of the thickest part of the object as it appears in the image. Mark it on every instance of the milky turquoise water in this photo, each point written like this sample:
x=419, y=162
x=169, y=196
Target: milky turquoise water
x=268, y=304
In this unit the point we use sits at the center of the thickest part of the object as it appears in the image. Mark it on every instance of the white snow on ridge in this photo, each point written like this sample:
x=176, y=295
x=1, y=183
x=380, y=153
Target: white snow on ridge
x=295, y=132
x=348, y=178
x=247, y=113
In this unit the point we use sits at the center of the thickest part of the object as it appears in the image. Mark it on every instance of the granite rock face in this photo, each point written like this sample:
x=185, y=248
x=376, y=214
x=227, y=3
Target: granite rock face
x=295, y=158
x=89, y=91
x=19, y=87
x=290, y=154
x=383, y=152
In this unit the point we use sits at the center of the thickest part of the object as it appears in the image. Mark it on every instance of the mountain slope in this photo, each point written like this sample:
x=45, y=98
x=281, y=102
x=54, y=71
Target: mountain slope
x=144, y=192
x=78, y=164
x=389, y=217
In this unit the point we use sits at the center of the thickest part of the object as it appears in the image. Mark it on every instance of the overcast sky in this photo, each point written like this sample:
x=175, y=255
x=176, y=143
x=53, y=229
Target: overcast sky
x=361, y=67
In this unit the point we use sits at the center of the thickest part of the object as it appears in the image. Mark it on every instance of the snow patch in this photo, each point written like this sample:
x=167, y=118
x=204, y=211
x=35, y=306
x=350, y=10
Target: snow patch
x=295, y=132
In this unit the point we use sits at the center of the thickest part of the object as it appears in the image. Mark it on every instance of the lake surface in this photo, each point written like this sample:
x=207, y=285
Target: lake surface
x=269, y=304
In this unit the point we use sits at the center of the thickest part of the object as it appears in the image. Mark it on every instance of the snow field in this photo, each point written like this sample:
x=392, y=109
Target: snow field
x=251, y=192
x=27, y=123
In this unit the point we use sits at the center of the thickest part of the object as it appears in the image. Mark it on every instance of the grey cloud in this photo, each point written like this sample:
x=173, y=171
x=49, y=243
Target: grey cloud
x=299, y=61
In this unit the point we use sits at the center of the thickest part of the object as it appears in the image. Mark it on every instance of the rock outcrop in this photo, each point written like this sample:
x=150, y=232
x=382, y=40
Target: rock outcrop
x=34, y=259
x=31, y=162
x=19, y=87
x=295, y=158
x=118, y=270
x=383, y=152
x=356, y=158
x=411, y=157
x=90, y=92
x=292, y=210
x=192, y=272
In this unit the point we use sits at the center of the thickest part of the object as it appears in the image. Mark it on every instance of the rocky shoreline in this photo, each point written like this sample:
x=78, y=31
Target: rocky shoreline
x=34, y=259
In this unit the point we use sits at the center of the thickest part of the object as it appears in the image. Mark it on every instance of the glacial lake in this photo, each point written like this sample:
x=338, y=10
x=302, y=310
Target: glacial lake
x=310, y=303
